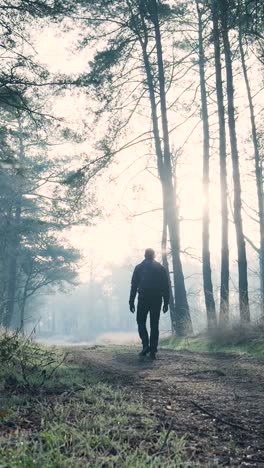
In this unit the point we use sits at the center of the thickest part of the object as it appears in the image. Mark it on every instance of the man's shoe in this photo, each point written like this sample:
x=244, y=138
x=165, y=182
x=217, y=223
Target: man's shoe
x=152, y=355
x=144, y=351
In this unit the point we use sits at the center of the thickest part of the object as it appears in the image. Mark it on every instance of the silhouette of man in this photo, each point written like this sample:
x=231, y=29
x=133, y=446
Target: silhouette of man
x=150, y=281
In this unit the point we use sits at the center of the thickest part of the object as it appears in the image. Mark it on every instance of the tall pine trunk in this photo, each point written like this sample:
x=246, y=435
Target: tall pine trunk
x=166, y=266
x=15, y=242
x=183, y=319
x=181, y=303
x=159, y=154
x=207, y=275
x=224, y=286
x=241, y=246
x=258, y=169
x=12, y=270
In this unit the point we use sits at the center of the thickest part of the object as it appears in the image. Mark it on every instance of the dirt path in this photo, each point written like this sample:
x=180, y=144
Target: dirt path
x=215, y=400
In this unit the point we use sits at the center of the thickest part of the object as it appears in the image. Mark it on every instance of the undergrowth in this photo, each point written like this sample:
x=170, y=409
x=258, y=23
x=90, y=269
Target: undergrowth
x=24, y=364
x=235, y=338
x=54, y=414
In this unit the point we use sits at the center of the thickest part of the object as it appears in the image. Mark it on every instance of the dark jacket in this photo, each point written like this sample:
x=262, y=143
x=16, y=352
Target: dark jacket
x=150, y=277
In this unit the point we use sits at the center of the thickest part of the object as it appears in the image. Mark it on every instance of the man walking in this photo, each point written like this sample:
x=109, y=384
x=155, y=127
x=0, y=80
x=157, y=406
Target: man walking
x=150, y=281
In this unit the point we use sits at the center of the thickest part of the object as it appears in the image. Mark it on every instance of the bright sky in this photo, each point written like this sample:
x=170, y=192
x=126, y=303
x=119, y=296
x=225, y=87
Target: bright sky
x=115, y=236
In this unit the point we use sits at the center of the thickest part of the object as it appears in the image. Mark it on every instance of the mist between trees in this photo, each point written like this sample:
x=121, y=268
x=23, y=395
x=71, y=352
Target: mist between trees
x=161, y=96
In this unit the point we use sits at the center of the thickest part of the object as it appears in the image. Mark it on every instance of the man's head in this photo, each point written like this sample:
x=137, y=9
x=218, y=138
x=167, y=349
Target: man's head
x=149, y=254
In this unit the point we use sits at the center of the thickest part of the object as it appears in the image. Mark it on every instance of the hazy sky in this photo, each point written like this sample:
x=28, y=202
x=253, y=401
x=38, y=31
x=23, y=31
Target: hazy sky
x=115, y=236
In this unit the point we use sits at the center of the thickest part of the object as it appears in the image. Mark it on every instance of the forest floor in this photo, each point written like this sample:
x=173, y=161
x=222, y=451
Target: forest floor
x=214, y=400
x=106, y=407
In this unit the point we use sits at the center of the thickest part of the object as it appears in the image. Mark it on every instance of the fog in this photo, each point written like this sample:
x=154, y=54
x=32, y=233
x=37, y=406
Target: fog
x=97, y=310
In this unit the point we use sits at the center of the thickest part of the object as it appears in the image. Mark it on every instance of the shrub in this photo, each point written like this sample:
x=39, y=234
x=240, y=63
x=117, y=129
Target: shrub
x=25, y=363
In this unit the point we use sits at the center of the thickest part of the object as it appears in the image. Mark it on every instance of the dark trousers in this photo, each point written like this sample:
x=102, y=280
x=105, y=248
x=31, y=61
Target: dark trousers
x=149, y=304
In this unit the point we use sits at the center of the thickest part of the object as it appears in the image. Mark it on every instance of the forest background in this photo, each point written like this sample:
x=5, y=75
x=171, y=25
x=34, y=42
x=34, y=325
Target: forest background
x=126, y=125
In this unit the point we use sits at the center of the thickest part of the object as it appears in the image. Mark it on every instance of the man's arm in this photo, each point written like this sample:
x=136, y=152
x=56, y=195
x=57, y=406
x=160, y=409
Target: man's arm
x=165, y=289
x=134, y=288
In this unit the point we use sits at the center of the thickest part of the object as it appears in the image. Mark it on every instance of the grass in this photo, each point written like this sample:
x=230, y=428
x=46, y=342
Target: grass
x=237, y=339
x=72, y=419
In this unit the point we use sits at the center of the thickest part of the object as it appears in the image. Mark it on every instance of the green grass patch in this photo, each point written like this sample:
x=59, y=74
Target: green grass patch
x=236, y=339
x=74, y=419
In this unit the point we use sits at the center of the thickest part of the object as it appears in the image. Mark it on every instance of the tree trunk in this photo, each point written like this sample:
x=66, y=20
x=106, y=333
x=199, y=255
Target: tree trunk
x=12, y=271
x=2, y=308
x=24, y=300
x=166, y=266
x=207, y=275
x=241, y=247
x=258, y=170
x=181, y=303
x=15, y=242
x=183, y=321
x=22, y=311
x=224, y=286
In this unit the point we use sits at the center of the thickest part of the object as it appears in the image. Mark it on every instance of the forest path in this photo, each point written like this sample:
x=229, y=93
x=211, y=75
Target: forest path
x=215, y=399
